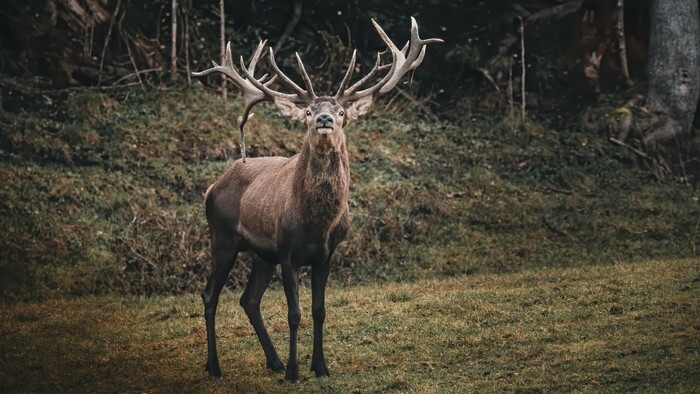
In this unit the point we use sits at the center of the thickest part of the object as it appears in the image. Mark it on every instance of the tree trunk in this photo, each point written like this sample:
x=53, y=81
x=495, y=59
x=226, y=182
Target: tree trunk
x=674, y=67
x=222, y=39
x=173, y=48
x=186, y=13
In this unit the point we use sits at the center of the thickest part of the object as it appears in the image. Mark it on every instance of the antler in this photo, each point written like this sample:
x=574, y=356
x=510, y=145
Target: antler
x=403, y=60
x=256, y=90
x=300, y=97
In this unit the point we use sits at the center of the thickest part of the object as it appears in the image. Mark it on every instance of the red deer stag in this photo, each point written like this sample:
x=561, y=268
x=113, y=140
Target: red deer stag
x=291, y=211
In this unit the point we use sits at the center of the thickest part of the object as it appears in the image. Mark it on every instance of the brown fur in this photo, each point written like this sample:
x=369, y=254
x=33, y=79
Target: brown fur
x=261, y=199
x=290, y=211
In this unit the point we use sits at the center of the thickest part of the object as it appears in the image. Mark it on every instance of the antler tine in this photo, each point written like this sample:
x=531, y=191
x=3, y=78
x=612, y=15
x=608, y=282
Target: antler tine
x=271, y=81
x=251, y=94
x=228, y=63
x=385, y=37
x=283, y=77
x=248, y=107
x=256, y=57
x=348, y=75
x=414, y=28
x=305, y=76
x=226, y=69
x=250, y=87
x=404, y=50
x=404, y=60
x=264, y=87
x=366, y=78
x=419, y=60
x=416, y=47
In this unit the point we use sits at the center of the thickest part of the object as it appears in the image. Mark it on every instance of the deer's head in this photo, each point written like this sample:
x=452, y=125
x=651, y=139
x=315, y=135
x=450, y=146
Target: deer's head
x=323, y=115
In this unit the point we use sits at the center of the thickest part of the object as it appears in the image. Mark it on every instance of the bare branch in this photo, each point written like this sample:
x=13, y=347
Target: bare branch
x=222, y=40
x=522, y=68
x=107, y=38
x=173, y=42
x=622, y=42
x=296, y=17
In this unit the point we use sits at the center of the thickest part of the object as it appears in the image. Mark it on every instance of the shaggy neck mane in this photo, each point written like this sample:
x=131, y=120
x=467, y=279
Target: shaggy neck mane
x=322, y=180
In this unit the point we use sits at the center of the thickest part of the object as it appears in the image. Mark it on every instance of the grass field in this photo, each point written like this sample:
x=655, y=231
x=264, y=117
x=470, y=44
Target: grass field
x=612, y=328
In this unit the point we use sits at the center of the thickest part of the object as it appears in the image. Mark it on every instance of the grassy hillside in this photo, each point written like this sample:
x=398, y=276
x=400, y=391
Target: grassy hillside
x=613, y=328
x=103, y=193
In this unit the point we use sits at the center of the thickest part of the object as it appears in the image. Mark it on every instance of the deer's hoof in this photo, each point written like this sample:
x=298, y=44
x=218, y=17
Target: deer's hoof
x=292, y=374
x=275, y=365
x=320, y=369
x=213, y=369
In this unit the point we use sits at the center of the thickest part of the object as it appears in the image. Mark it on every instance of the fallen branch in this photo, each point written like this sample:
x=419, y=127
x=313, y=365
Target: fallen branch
x=137, y=73
x=489, y=78
x=558, y=11
x=31, y=91
x=632, y=149
x=557, y=190
x=658, y=166
x=556, y=229
x=417, y=103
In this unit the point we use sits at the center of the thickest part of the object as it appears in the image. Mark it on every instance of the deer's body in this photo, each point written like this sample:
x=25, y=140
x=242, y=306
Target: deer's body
x=291, y=211
x=279, y=205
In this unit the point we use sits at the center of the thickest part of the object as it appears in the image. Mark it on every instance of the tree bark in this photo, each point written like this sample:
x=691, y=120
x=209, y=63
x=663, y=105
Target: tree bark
x=622, y=43
x=296, y=17
x=674, y=67
x=173, y=48
x=188, y=9
x=222, y=39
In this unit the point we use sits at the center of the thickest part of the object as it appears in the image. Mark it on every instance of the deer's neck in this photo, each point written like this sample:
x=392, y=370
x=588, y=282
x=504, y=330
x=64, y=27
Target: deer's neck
x=322, y=180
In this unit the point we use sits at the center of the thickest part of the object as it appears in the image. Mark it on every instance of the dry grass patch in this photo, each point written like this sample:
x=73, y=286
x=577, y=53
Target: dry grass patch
x=613, y=328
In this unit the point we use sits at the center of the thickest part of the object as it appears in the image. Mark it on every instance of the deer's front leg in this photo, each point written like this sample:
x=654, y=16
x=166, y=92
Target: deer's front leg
x=290, y=280
x=319, y=277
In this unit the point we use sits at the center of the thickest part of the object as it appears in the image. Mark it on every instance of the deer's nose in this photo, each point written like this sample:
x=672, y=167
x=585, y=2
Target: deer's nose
x=324, y=120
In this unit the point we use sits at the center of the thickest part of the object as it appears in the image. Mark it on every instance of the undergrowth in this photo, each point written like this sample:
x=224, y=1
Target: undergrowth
x=103, y=193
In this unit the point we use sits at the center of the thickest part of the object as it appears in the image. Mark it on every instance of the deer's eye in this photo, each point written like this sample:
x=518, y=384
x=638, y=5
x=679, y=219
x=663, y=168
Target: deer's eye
x=341, y=113
x=308, y=113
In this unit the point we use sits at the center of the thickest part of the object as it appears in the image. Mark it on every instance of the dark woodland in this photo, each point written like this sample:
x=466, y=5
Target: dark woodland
x=58, y=57
x=547, y=148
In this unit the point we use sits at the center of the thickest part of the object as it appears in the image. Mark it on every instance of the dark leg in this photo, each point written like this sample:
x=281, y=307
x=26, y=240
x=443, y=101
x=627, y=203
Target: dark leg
x=260, y=278
x=290, y=280
x=223, y=257
x=319, y=277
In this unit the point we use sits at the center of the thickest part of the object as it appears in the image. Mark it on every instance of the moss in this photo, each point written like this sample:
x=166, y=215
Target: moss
x=103, y=193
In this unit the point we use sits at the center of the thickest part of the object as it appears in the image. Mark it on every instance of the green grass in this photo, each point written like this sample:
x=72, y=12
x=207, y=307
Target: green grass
x=102, y=193
x=606, y=328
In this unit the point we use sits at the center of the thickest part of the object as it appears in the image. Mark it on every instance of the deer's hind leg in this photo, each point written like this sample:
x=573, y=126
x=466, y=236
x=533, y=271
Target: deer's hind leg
x=259, y=280
x=224, y=252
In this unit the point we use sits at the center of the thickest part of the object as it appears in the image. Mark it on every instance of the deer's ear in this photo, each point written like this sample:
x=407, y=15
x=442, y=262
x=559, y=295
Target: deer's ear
x=359, y=108
x=290, y=109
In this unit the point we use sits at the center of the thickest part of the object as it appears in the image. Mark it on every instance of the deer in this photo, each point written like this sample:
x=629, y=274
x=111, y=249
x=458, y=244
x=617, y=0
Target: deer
x=291, y=211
